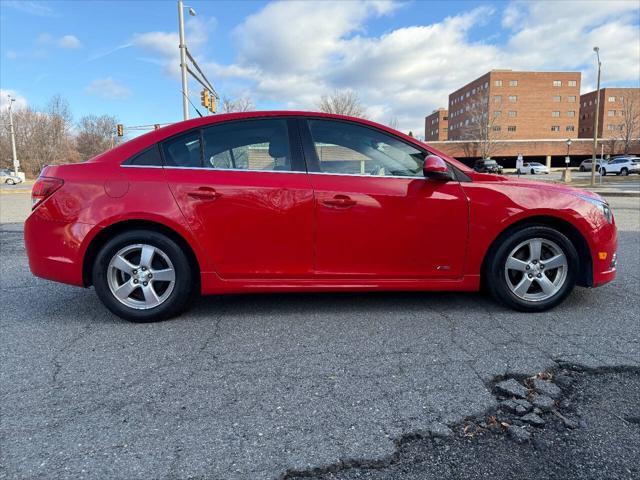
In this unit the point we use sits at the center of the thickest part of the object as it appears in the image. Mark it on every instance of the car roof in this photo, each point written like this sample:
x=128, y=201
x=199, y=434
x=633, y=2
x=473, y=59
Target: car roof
x=146, y=140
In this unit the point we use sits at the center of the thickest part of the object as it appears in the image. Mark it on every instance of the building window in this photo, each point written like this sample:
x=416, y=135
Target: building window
x=486, y=85
x=513, y=98
x=557, y=83
x=468, y=94
x=497, y=113
x=571, y=98
x=570, y=128
x=513, y=83
x=498, y=83
x=497, y=98
x=445, y=118
x=611, y=113
x=612, y=99
x=555, y=128
x=511, y=128
x=473, y=91
x=555, y=114
x=556, y=98
x=571, y=113
x=445, y=130
x=572, y=83
x=496, y=128
x=513, y=113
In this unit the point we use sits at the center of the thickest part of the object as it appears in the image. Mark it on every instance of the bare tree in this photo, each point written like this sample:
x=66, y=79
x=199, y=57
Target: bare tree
x=95, y=135
x=242, y=104
x=393, y=123
x=482, y=131
x=630, y=127
x=342, y=102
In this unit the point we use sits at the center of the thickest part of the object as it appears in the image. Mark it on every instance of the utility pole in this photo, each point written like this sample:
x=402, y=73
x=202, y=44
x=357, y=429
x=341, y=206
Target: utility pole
x=183, y=62
x=16, y=164
x=595, y=126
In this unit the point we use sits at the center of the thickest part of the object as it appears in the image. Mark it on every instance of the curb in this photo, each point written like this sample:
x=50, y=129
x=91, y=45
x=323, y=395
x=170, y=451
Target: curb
x=616, y=193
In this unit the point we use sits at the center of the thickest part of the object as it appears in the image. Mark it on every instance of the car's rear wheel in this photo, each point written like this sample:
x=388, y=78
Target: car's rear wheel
x=582, y=169
x=10, y=181
x=532, y=269
x=143, y=276
x=624, y=172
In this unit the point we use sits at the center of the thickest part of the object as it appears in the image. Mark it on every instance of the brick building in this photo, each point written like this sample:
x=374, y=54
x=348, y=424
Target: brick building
x=611, y=121
x=519, y=105
x=436, y=125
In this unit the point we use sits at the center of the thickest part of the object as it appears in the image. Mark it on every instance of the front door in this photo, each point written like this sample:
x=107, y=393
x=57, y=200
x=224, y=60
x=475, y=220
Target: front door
x=243, y=189
x=376, y=214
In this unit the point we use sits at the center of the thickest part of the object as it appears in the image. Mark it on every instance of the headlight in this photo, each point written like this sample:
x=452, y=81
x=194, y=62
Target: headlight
x=604, y=208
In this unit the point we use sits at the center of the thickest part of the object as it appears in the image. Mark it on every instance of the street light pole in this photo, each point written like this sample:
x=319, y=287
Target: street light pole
x=183, y=62
x=595, y=125
x=16, y=163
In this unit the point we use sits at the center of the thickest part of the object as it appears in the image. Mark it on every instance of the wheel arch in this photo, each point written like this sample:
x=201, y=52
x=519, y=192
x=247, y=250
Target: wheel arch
x=109, y=232
x=585, y=274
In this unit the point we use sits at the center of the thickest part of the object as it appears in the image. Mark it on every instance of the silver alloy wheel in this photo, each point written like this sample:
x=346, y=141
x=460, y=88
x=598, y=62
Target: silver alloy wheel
x=141, y=276
x=536, y=269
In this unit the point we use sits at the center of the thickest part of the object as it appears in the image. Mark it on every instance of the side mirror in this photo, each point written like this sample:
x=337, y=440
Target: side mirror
x=436, y=168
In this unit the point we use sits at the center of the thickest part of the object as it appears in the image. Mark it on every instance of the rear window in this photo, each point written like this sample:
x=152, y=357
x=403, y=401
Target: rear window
x=147, y=158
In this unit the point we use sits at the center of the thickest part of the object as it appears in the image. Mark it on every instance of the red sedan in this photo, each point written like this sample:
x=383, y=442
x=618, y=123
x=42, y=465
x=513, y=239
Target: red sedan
x=298, y=201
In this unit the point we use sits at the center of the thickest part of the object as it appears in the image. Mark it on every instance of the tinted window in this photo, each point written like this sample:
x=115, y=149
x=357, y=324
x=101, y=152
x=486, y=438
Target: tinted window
x=149, y=157
x=251, y=145
x=183, y=151
x=347, y=148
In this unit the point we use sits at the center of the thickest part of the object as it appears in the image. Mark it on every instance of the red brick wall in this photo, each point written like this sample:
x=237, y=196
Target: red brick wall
x=533, y=105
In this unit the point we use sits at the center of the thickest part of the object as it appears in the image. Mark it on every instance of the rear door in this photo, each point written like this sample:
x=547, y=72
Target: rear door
x=243, y=188
x=377, y=216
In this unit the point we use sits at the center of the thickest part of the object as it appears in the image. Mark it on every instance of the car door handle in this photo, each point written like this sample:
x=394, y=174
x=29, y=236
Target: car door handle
x=204, y=193
x=340, y=201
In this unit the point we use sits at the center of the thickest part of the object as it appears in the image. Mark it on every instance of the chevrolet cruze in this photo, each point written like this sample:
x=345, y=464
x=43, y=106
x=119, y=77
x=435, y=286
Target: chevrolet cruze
x=298, y=201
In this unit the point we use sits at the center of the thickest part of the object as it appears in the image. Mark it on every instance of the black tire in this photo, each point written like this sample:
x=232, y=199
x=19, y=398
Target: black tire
x=10, y=182
x=494, y=273
x=183, y=289
x=603, y=172
x=533, y=172
x=582, y=169
x=624, y=172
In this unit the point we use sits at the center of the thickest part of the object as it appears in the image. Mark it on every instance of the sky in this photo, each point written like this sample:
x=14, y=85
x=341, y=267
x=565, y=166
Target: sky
x=402, y=58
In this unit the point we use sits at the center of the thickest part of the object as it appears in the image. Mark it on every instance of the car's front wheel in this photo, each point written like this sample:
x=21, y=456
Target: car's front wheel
x=532, y=269
x=143, y=276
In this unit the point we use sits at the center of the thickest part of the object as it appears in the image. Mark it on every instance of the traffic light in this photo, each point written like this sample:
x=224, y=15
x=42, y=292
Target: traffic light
x=212, y=104
x=120, y=130
x=156, y=126
x=205, y=99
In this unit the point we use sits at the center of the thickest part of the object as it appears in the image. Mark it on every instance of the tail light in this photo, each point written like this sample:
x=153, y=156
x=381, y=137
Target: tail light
x=43, y=189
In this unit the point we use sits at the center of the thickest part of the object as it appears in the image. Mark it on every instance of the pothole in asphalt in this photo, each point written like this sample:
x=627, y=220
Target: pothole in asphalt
x=567, y=423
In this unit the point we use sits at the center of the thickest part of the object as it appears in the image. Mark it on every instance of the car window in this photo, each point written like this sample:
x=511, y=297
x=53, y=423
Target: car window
x=250, y=145
x=183, y=151
x=149, y=157
x=346, y=148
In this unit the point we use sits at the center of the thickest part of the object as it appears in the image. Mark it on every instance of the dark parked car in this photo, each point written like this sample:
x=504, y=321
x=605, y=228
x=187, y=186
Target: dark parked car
x=487, y=165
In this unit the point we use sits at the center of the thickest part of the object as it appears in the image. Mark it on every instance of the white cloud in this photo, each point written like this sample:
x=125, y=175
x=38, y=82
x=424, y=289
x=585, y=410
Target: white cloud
x=66, y=41
x=409, y=71
x=69, y=41
x=165, y=44
x=108, y=88
x=20, y=101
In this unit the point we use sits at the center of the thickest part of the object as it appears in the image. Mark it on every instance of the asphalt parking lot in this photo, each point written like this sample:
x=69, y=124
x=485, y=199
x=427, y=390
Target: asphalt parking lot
x=250, y=387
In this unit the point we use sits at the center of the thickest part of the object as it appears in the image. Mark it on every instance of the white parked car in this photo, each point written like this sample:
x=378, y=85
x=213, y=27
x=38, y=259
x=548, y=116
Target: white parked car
x=533, y=168
x=585, y=166
x=621, y=166
x=7, y=176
